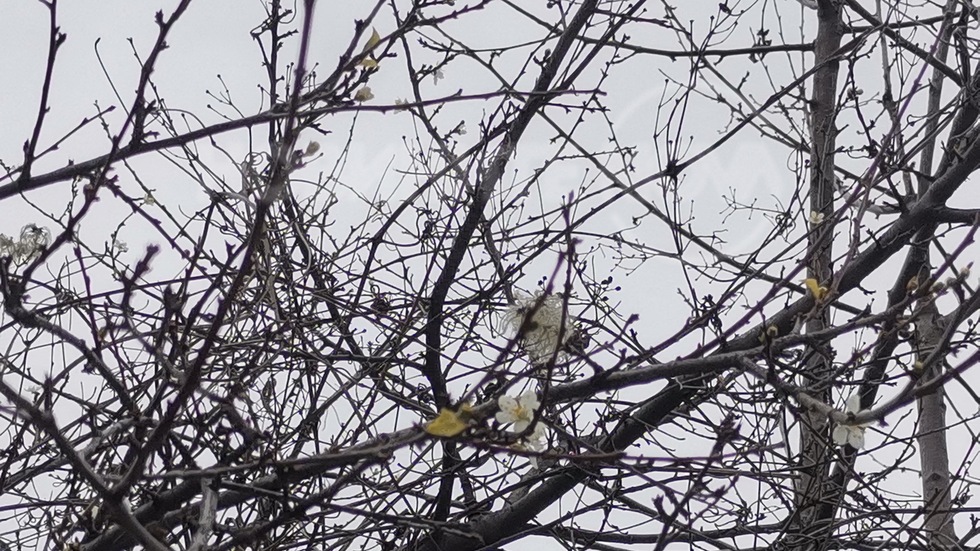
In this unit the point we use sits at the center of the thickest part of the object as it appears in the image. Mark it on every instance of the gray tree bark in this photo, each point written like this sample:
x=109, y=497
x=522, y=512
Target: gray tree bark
x=814, y=429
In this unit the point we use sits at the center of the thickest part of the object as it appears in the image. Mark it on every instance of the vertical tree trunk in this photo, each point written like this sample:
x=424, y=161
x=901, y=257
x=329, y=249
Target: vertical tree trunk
x=931, y=438
x=814, y=432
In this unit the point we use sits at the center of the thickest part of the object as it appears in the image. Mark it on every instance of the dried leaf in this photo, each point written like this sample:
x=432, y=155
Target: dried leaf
x=816, y=289
x=373, y=41
x=450, y=423
x=364, y=94
x=369, y=62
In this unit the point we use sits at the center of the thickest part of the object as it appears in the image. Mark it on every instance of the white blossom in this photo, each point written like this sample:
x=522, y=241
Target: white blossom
x=816, y=218
x=535, y=442
x=119, y=246
x=851, y=434
x=542, y=330
x=519, y=411
x=437, y=76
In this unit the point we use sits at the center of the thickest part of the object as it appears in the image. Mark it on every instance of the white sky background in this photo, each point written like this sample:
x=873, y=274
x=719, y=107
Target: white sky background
x=213, y=39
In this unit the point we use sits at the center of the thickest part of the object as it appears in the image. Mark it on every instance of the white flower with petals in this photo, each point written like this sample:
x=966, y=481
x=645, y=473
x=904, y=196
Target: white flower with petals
x=851, y=434
x=519, y=411
x=535, y=442
x=542, y=330
x=816, y=218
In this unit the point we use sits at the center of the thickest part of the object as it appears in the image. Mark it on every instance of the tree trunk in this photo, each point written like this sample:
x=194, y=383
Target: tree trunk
x=931, y=437
x=814, y=433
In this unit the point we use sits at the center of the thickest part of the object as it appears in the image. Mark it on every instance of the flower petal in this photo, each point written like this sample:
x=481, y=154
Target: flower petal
x=840, y=435
x=855, y=438
x=529, y=401
x=538, y=435
x=508, y=404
